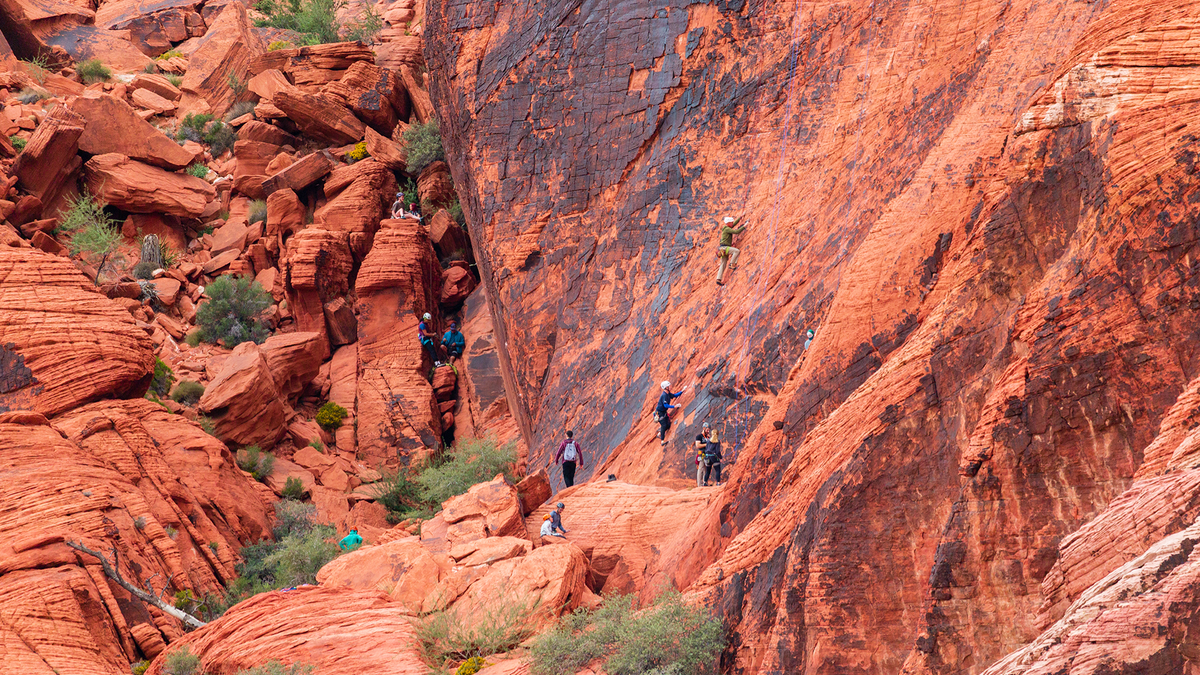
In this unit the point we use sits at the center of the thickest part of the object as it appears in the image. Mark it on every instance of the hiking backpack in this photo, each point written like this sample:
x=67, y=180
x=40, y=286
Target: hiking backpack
x=569, y=452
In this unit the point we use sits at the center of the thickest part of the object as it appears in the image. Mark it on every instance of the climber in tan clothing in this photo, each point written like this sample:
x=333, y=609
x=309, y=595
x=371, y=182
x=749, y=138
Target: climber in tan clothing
x=725, y=250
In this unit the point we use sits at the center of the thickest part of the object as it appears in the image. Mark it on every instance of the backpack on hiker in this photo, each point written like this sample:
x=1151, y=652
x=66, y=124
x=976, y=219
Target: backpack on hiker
x=570, y=452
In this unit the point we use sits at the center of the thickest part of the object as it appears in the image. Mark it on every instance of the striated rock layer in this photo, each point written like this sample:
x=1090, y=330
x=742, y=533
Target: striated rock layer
x=987, y=212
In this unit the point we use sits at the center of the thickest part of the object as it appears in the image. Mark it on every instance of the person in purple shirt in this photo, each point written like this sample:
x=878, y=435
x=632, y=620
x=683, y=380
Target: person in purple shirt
x=568, y=454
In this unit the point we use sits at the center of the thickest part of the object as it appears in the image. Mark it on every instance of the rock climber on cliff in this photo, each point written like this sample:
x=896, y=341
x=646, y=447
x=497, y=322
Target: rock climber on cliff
x=662, y=411
x=350, y=542
x=568, y=454
x=701, y=443
x=726, y=253
x=453, y=342
x=426, y=335
x=712, y=458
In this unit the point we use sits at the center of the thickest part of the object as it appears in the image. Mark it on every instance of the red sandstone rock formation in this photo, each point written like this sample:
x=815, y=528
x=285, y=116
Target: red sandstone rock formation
x=990, y=226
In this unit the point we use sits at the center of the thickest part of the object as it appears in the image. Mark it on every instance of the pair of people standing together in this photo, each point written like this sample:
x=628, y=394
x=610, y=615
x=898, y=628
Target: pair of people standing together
x=708, y=456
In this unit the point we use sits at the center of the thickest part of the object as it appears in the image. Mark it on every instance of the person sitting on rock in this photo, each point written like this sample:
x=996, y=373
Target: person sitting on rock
x=351, y=542
x=726, y=253
x=453, y=342
x=552, y=524
x=398, y=206
x=568, y=454
x=712, y=458
x=662, y=410
x=426, y=335
x=413, y=212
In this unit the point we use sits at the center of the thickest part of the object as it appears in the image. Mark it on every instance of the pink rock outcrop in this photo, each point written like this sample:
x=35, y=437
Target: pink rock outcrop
x=243, y=400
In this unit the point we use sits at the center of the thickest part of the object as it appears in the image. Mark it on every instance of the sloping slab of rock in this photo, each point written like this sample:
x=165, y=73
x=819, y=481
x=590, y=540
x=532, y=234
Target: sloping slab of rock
x=227, y=49
x=140, y=188
x=112, y=126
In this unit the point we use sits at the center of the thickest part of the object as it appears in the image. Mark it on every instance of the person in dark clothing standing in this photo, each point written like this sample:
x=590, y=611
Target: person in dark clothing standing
x=568, y=454
x=663, y=409
x=712, y=458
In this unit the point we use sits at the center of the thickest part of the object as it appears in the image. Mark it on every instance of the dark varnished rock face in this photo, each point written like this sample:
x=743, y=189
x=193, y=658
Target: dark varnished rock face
x=987, y=211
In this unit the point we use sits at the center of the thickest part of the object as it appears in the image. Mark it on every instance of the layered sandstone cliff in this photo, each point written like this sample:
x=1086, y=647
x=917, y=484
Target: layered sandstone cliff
x=988, y=214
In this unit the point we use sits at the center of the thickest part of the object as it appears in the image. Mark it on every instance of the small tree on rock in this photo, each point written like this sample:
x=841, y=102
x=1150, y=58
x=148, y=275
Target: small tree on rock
x=233, y=311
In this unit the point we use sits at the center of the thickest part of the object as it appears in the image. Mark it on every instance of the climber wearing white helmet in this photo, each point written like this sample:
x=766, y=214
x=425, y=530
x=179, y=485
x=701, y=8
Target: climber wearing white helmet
x=427, y=336
x=662, y=410
x=726, y=253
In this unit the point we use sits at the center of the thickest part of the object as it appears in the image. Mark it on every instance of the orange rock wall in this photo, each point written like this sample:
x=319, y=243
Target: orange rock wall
x=986, y=211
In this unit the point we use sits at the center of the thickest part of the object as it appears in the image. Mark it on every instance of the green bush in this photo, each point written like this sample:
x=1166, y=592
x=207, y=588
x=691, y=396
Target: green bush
x=151, y=68
x=471, y=666
x=182, y=662
x=201, y=128
x=29, y=96
x=449, y=635
x=232, y=313
x=82, y=211
x=316, y=445
x=280, y=44
x=411, y=195
x=292, y=517
x=18, y=143
x=469, y=462
x=423, y=143
x=39, y=67
x=315, y=20
x=277, y=668
x=163, y=378
x=237, y=85
x=257, y=463
x=366, y=27
x=330, y=416
x=220, y=137
x=668, y=637
x=206, y=423
x=357, y=153
x=197, y=170
x=299, y=557
x=175, y=80
x=92, y=71
x=400, y=495
x=171, y=532
x=240, y=108
x=168, y=55
x=187, y=392
x=192, y=338
x=144, y=270
x=258, y=211
x=140, y=667
x=456, y=212
x=94, y=235
x=293, y=489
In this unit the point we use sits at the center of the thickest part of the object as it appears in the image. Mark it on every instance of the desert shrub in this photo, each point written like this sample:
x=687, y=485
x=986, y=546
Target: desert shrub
x=96, y=242
x=233, y=311
x=163, y=378
x=192, y=338
x=423, y=143
x=670, y=636
x=140, y=522
x=357, y=154
x=81, y=212
x=258, y=211
x=220, y=137
x=471, y=666
x=400, y=495
x=29, y=95
x=182, y=662
x=39, y=67
x=187, y=392
x=148, y=291
x=92, y=71
x=171, y=532
x=280, y=44
x=330, y=416
x=140, y=667
x=175, y=80
x=315, y=20
x=214, y=547
x=293, y=489
x=197, y=170
x=410, y=192
x=168, y=55
x=151, y=68
x=277, y=668
x=144, y=270
x=452, y=635
x=254, y=461
x=297, y=558
x=366, y=27
x=202, y=128
x=456, y=212
x=469, y=462
x=240, y=108
x=316, y=445
x=237, y=85
x=18, y=143
x=206, y=423
x=292, y=517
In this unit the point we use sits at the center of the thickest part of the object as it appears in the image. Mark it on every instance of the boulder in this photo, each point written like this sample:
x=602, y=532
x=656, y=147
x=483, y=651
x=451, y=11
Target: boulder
x=315, y=64
x=224, y=52
x=84, y=42
x=62, y=342
x=266, y=133
x=340, y=322
x=533, y=491
x=283, y=470
x=540, y=586
x=490, y=550
x=320, y=116
x=448, y=237
x=403, y=50
x=153, y=25
x=49, y=158
x=111, y=126
x=374, y=94
x=285, y=214
x=294, y=359
x=386, y=151
x=148, y=100
x=495, y=504
x=267, y=83
x=422, y=106
x=397, y=281
x=134, y=186
x=253, y=158
x=457, y=284
x=402, y=569
x=358, y=197
x=156, y=83
x=308, y=625
x=301, y=174
x=243, y=400
x=317, y=270
x=434, y=185
x=167, y=289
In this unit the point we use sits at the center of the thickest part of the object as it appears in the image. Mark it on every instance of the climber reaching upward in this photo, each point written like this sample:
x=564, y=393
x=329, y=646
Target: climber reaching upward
x=427, y=337
x=726, y=253
x=662, y=411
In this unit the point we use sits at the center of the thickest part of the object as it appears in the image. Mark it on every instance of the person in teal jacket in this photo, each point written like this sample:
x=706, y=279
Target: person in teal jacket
x=453, y=341
x=350, y=542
